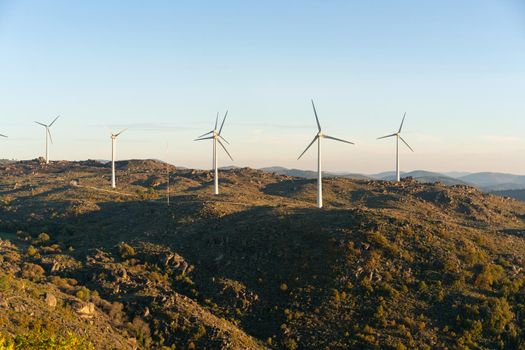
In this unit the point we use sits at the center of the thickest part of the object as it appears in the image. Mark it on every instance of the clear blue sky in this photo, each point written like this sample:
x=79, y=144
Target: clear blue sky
x=164, y=68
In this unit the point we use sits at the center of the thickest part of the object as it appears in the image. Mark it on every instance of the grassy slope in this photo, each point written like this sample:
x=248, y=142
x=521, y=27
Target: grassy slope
x=382, y=265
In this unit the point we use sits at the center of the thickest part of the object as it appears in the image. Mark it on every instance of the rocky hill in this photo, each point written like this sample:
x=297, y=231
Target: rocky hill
x=383, y=265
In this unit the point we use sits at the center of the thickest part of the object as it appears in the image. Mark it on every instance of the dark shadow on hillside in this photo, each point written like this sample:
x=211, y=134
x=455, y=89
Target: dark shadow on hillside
x=373, y=199
x=258, y=247
x=444, y=311
x=287, y=188
x=264, y=250
x=50, y=192
x=200, y=187
x=515, y=232
x=14, y=191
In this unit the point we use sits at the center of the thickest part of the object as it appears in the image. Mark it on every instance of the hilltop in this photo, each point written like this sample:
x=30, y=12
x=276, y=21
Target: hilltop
x=384, y=265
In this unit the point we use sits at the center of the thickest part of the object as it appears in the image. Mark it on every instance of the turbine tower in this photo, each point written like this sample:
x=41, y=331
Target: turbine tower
x=318, y=138
x=216, y=137
x=113, y=151
x=398, y=137
x=48, y=133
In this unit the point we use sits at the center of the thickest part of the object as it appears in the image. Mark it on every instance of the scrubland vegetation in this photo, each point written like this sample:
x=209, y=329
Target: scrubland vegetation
x=383, y=266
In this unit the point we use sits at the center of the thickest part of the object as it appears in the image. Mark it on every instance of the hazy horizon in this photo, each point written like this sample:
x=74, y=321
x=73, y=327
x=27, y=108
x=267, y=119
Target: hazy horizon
x=165, y=69
x=450, y=173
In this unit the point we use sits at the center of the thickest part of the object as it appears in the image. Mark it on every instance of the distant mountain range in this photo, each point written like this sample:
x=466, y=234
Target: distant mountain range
x=308, y=174
x=421, y=176
x=516, y=194
x=495, y=181
x=486, y=181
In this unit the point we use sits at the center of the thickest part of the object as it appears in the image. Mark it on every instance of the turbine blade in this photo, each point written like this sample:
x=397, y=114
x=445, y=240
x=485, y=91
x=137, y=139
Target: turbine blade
x=3, y=135
x=316, y=117
x=120, y=132
x=53, y=122
x=49, y=133
x=384, y=137
x=222, y=138
x=402, y=121
x=336, y=139
x=216, y=121
x=225, y=150
x=310, y=145
x=44, y=125
x=225, y=114
x=406, y=143
x=204, y=138
x=210, y=132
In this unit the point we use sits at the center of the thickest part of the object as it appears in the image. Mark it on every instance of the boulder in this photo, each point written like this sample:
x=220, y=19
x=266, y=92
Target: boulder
x=85, y=310
x=51, y=300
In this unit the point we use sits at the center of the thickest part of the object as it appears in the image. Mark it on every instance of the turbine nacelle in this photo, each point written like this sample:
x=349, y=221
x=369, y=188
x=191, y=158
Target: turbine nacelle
x=114, y=136
x=398, y=134
x=216, y=134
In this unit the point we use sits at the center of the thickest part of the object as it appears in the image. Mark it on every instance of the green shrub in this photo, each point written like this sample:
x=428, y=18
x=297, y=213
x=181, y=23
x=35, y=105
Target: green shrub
x=499, y=314
x=400, y=346
x=380, y=313
x=125, y=250
x=43, y=237
x=39, y=339
x=32, y=251
x=83, y=294
x=6, y=343
x=290, y=344
x=60, y=282
x=32, y=272
x=5, y=282
x=489, y=273
x=116, y=313
x=199, y=333
x=141, y=331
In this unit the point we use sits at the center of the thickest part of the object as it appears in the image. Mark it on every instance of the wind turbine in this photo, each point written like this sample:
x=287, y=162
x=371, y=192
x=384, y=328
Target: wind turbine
x=318, y=138
x=216, y=137
x=398, y=137
x=113, y=150
x=48, y=133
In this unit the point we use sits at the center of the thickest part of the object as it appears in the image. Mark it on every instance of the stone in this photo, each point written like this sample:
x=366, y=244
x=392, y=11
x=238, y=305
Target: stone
x=51, y=300
x=86, y=310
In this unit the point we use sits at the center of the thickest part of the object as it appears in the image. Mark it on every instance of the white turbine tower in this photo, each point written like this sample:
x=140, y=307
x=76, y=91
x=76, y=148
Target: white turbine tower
x=48, y=133
x=113, y=151
x=318, y=138
x=216, y=137
x=398, y=137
